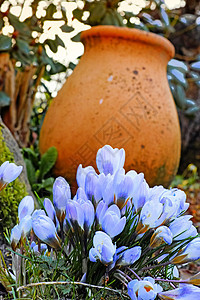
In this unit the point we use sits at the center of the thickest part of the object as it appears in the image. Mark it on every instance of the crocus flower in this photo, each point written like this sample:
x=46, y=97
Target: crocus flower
x=45, y=230
x=26, y=207
x=15, y=236
x=36, y=248
x=182, y=228
x=88, y=211
x=80, y=194
x=161, y=235
x=25, y=225
x=145, y=289
x=190, y=252
x=50, y=210
x=81, y=175
x=129, y=256
x=184, y=292
x=37, y=213
x=100, y=211
x=103, y=249
x=8, y=173
x=74, y=213
x=120, y=188
x=149, y=216
x=93, y=187
x=112, y=223
x=110, y=160
x=61, y=194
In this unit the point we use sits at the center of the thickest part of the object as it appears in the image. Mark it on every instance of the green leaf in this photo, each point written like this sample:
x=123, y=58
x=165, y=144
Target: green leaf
x=5, y=43
x=191, y=111
x=71, y=66
x=66, y=28
x=97, y=12
x=23, y=46
x=30, y=171
x=58, y=68
x=59, y=41
x=1, y=21
x=21, y=27
x=50, y=11
x=180, y=96
x=52, y=45
x=77, y=14
x=47, y=162
x=4, y=99
x=77, y=37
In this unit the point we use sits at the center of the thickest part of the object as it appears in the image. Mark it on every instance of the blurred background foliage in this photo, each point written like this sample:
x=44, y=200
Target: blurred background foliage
x=37, y=39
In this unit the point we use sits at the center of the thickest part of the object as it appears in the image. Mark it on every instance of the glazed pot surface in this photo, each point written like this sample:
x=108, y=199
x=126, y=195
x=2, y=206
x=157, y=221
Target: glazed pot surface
x=117, y=95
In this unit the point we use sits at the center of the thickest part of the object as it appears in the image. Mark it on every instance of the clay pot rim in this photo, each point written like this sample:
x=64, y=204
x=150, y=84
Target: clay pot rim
x=132, y=34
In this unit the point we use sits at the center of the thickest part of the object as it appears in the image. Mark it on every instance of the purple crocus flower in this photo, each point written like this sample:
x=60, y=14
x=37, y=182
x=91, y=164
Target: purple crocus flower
x=8, y=173
x=189, y=253
x=110, y=160
x=15, y=236
x=26, y=225
x=51, y=211
x=182, y=228
x=93, y=188
x=26, y=207
x=161, y=235
x=74, y=213
x=45, y=230
x=61, y=194
x=128, y=256
x=184, y=292
x=145, y=289
x=112, y=223
x=103, y=249
x=82, y=173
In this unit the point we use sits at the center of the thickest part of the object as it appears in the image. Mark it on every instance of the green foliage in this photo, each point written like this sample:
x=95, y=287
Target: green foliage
x=38, y=169
x=11, y=195
x=188, y=179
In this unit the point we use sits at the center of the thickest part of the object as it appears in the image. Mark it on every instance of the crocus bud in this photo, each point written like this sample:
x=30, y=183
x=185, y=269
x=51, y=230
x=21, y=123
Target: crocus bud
x=61, y=194
x=15, y=236
x=74, y=213
x=191, y=252
x=129, y=256
x=26, y=207
x=45, y=230
x=161, y=235
x=26, y=225
x=8, y=173
x=103, y=249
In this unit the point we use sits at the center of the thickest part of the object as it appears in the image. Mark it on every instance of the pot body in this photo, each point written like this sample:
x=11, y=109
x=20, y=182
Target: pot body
x=118, y=95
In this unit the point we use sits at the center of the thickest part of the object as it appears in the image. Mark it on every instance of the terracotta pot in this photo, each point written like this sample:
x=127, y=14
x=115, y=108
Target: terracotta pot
x=117, y=95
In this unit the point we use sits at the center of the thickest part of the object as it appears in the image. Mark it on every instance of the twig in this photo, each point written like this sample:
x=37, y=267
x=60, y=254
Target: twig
x=66, y=282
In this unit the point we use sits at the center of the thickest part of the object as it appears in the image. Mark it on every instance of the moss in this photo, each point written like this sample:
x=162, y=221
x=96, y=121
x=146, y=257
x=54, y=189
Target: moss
x=12, y=194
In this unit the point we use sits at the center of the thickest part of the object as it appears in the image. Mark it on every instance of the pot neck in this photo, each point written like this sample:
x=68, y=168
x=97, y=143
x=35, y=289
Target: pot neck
x=131, y=34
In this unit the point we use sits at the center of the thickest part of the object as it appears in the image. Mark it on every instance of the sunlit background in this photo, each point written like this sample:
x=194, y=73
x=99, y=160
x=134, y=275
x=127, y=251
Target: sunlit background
x=72, y=49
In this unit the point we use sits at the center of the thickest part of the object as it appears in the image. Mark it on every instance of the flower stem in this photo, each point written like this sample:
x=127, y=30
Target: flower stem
x=136, y=275
x=156, y=266
x=171, y=280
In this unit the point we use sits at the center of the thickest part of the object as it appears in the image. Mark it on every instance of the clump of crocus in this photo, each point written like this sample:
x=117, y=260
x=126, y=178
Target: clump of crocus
x=115, y=226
